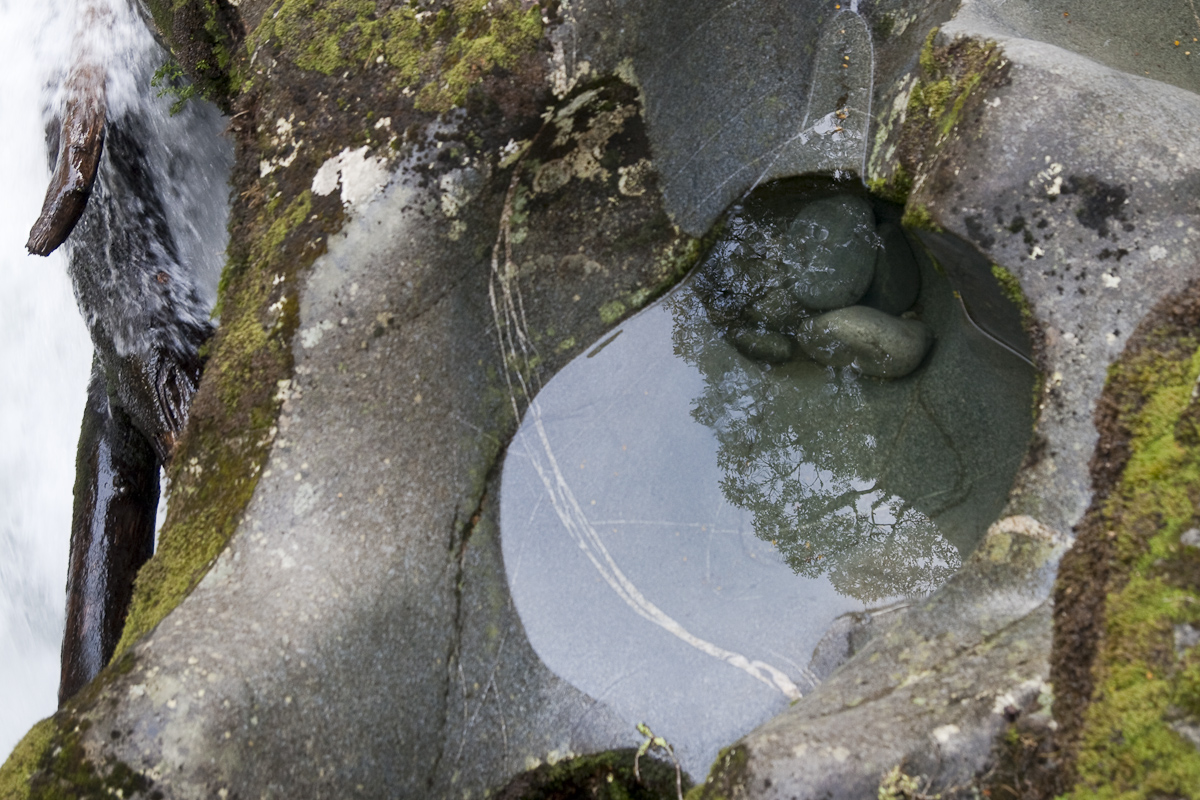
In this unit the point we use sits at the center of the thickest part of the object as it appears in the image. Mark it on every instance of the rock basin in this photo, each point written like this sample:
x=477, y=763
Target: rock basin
x=930, y=693
x=681, y=522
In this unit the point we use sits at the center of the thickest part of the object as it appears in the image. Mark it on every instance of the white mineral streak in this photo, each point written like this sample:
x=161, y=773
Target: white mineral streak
x=1027, y=526
x=944, y=733
x=516, y=349
x=328, y=176
x=1019, y=695
x=311, y=337
x=576, y=523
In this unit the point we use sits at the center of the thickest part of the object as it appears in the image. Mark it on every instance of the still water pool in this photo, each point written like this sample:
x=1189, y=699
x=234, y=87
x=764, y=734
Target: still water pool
x=684, y=516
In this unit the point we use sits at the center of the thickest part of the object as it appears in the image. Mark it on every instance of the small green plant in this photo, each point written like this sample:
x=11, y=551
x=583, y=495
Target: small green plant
x=660, y=743
x=918, y=216
x=171, y=82
x=896, y=785
x=1012, y=290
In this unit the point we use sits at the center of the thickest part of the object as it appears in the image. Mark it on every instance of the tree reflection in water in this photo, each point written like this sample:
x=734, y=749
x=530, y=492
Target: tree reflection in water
x=882, y=485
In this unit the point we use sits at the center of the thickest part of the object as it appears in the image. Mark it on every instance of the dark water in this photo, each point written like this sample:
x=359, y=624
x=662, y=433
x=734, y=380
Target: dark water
x=682, y=523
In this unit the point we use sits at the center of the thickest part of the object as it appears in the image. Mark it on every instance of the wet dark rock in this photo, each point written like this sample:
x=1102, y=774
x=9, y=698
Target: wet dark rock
x=897, y=280
x=769, y=346
x=829, y=253
x=604, y=776
x=849, y=634
x=878, y=344
x=145, y=217
x=776, y=310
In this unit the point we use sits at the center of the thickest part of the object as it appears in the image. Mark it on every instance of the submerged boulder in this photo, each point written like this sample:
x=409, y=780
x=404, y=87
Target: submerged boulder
x=876, y=343
x=769, y=346
x=828, y=255
x=897, y=280
x=777, y=310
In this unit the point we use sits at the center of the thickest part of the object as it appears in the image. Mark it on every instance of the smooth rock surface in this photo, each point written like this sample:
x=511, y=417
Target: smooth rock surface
x=739, y=99
x=768, y=346
x=1090, y=267
x=875, y=343
x=897, y=280
x=849, y=634
x=828, y=253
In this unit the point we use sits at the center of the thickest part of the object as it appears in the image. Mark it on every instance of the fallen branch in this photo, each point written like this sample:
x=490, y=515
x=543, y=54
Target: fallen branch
x=80, y=140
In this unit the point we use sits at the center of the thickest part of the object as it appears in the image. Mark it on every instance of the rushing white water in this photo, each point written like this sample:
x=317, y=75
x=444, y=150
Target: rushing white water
x=45, y=354
x=44, y=358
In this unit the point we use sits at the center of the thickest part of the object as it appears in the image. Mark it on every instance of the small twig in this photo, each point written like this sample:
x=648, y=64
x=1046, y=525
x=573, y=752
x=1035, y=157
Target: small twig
x=659, y=742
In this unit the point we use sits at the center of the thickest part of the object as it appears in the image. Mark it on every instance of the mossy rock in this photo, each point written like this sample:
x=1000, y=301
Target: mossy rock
x=604, y=776
x=1126, y=670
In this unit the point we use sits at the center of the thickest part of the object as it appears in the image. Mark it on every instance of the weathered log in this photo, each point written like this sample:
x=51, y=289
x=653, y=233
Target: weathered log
x=80, y=143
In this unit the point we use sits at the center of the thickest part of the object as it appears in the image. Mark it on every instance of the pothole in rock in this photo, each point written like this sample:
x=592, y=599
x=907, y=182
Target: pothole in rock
x=822, y=420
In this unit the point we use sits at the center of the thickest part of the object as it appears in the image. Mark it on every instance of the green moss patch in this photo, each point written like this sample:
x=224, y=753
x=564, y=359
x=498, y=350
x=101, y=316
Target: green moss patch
x=894, y=189
x=948, y=77
x=50, y=764
x=943, y=98
x=25, y=761
x=726, y=777
x=605, y=776
x=1011, y=287
x=170, y=81
x=438, y=51
x=917, y=216
x=206, y=38
x=220, y=457
x=1126, y=721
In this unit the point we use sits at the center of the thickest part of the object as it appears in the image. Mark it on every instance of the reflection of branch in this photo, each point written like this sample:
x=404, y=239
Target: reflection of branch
x=838, y=519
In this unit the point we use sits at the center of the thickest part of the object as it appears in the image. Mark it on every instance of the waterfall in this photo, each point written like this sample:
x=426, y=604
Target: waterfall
x=45, y=353
x=45, y=356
